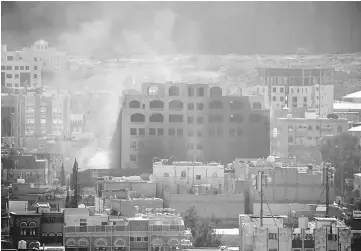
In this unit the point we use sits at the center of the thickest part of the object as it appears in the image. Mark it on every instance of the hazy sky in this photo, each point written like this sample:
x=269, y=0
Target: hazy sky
x=107, y=28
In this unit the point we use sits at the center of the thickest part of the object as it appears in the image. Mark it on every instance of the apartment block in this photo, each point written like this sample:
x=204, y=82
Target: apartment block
x=193, y=122
x=46, y=115
x=52, y=59
x=17, y=71
x=154, y=230
x=12, y=117
x=294, y=134
x=296, y=89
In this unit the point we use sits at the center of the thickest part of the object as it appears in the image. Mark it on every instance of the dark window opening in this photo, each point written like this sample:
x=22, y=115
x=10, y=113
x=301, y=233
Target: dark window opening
x=156, y=118
x=175, y=118
x=134, y=104
x=156, y=104
x=137, y=118
x=173, y=91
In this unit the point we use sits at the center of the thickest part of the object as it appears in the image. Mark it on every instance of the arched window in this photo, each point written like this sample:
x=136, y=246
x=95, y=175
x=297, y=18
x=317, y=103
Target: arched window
x=166, y=174
x=236, y=105
x=176, y=104
x=137, y=117
x=235, y=118
x=174, y=91
x=339, y=129
x=59, y=237
x=134, y=104
x=44, y=234
x=23, y=224
x=183, y=174
x=156, y=117
x=257, y=105
x=156, y=104
x=215, y=105
x=32, y=224
x=216, y=91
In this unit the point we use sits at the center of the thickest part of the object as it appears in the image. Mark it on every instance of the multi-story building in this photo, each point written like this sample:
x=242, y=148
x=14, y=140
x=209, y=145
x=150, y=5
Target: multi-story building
x=46, y=115
x=12, y=117
x=41, y=226
x=296, y=88
x=323, y=234
x=52, y=60
x=189, y=174
x=151, y=231
x=295, y=134
x=19, y=71
x=193, y=122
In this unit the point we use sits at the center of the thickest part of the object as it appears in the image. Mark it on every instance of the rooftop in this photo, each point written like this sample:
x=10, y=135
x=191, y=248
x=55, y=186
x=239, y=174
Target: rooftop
x=355, y=129
x=346, y=106
x=353, y=95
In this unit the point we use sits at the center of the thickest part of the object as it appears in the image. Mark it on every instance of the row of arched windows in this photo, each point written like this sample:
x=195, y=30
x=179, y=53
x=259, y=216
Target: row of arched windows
x=178, y=118
x=177, y=104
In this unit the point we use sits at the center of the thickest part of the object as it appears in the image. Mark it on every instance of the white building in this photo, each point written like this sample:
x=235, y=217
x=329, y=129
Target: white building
x=16, y=71
x=52, y=59
x=189, y=174
x=307, y=97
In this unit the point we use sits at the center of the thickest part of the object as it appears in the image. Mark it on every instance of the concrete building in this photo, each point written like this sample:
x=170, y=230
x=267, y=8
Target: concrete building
x=144, y=232
x=295, y=134
x=193, y=122
x=18, y=71
x=186, y=175
x=41, y=226
x=297, y=88
x=12, y=117
x=130, y=207
x=134, y=184
x=46, y=115
x=308, y=236
x=52, y=60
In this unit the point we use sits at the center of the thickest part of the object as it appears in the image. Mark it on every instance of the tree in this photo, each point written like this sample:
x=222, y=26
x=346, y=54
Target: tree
x=202, y=229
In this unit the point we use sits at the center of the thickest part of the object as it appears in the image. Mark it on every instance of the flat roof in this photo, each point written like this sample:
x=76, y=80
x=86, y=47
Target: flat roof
x=346, y=106
x=355, y=129
x=353, y=95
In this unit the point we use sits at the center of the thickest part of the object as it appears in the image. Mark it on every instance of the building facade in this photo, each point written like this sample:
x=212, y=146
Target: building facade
x=193, y=122
x=46, y=115
x=295, y=134
x=52, y=60
x=144, y=232
x=18, y=70
x=189, y=174
x=296, y=88
x=40, y=226
x=12, y=117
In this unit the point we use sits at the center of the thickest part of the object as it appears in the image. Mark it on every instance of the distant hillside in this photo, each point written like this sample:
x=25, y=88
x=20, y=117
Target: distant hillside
x=122, y=28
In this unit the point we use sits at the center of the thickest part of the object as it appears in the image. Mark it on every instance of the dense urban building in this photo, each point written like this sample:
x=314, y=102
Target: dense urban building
x=154, y=230
x=41, y=225
x=193, y=122
x=296, y=89
x=295, y=134
x=18, y=71
x=185, y=175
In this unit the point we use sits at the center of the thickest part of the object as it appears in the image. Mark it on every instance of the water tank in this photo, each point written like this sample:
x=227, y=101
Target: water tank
x=20, y=181
x=22, y=244
x=271, y=159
